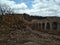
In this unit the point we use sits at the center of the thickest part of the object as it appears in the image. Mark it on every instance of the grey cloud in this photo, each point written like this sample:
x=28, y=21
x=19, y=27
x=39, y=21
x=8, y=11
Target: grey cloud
x=39, y=7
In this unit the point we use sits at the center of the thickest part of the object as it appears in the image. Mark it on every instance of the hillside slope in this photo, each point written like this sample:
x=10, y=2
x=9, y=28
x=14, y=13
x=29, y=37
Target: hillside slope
x=15, y=30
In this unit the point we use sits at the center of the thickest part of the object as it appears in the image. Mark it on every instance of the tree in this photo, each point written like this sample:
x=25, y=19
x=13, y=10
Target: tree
x=5, y=10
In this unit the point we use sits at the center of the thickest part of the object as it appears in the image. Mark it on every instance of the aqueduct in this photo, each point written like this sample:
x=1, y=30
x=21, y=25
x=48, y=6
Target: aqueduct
x=45, y=24
x=42, y=23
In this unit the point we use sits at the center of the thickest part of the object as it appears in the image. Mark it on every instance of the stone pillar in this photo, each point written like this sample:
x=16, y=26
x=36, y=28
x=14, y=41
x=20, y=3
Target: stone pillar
x=45, y=26
x=51, y=26
x=38, y=25
x=41, y=26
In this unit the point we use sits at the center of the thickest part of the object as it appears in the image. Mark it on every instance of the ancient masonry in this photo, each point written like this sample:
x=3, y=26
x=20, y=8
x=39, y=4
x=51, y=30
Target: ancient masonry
x=44, y=23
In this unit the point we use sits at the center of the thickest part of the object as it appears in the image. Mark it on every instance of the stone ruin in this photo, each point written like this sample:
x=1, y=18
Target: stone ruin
x=43, y=23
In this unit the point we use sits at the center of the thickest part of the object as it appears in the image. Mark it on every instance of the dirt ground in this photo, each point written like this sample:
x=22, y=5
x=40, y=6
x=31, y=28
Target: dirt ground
x=28, y=37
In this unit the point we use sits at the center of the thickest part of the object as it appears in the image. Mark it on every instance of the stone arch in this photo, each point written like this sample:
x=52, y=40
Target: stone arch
x=48, y=26
x=54, y=25
x=43, y=25
x=39, y=26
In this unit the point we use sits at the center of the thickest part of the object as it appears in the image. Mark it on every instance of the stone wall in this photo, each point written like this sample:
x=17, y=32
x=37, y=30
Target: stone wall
x=45, y=26
x=43, y=23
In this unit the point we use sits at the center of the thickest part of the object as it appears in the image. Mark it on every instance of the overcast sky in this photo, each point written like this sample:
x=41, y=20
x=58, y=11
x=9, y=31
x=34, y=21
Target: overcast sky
x=34, y=7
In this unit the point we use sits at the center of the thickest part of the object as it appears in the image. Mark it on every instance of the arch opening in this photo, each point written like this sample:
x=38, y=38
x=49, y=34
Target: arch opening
x=54, y=25
x=48, y=26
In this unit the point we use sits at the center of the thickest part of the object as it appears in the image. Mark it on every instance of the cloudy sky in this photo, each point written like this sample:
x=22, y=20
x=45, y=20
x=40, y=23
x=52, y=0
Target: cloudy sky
x=34, y=7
